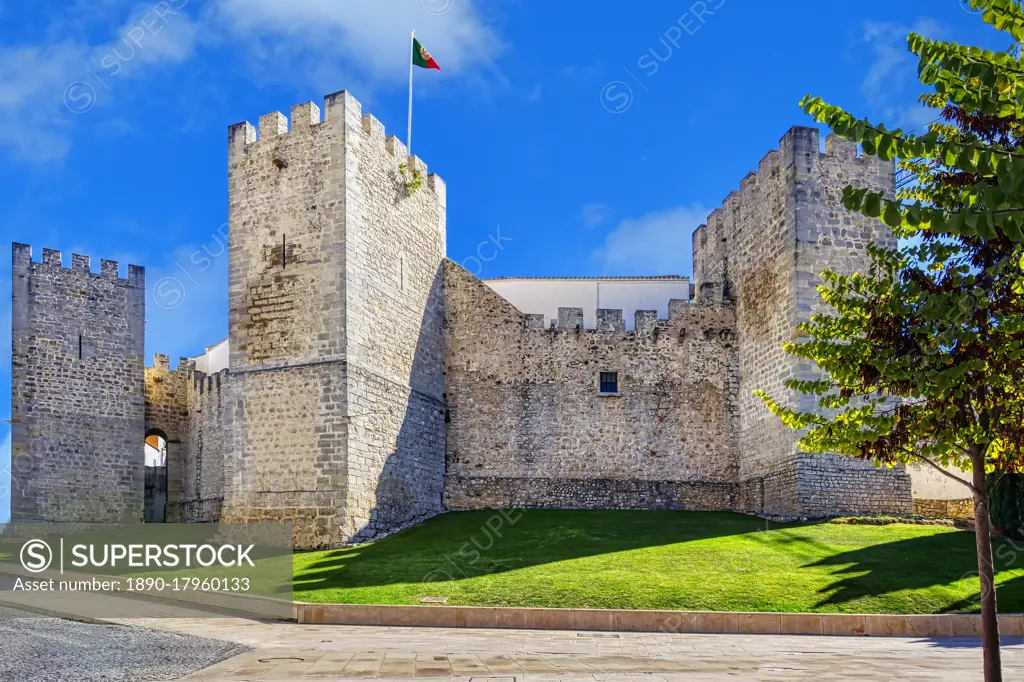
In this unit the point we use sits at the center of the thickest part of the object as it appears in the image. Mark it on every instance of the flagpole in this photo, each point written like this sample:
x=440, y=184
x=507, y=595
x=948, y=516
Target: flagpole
x=408, y=137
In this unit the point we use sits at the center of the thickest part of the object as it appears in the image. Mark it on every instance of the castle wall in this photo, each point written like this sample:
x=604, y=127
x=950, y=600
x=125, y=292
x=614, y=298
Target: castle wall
x=286, y=293
x=395, y=241
x=334, y=327
x=208, y=444
x=166, y=394
x=545, y=295
x=527, y=426
x=78, y=406
x=766, y=247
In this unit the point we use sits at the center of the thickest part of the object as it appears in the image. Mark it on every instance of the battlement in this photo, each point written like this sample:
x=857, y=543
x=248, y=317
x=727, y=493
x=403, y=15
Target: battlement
x=205, y=383
x=53, y=259
x=798, y=149
x=797, y=158
x=681, y=313
x=340, y=109
x=163, y=362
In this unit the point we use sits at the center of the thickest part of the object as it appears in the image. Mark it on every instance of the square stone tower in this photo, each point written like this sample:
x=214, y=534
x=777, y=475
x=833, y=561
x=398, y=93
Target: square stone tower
x=78, y=411
x=766, y=247
x=336, y=239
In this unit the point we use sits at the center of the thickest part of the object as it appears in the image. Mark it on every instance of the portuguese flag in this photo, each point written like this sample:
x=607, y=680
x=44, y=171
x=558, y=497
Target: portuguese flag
x=422, y=58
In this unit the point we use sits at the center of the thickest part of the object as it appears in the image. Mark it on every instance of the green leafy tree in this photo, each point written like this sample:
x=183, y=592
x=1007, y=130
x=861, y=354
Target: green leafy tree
x=922, y=357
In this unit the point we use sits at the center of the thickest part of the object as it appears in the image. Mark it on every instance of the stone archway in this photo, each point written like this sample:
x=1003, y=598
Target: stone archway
x=155, y=449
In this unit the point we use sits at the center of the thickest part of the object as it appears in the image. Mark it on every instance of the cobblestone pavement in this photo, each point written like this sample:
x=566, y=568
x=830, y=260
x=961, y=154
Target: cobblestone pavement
x=321, y=652
x=34, y=649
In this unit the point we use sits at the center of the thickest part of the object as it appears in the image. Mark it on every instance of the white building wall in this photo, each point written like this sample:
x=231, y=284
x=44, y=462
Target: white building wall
x=546, y=296
x=214, y=359
x=928, y=484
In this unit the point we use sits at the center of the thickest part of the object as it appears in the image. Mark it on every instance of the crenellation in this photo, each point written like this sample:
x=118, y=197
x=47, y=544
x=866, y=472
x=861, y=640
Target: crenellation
x=644, y=321
x=769, y=163
x=271, y=125
x=342, y=107
x=21, y=258
x=415, y=163
x=305, y=115
x=396, y=148
x=570, y=319
x=840, y=148
x=678, y=307
x=732, y=200
x=240, y=136
x=437, y=185
x=610, y=320
x=535, y=321
x=137, y=277
x=109, y=268
x=748, y=180
x=800, y=148
x=373, y=127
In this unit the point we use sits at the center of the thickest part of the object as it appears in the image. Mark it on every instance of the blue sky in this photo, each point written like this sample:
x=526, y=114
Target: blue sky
x=590, y=137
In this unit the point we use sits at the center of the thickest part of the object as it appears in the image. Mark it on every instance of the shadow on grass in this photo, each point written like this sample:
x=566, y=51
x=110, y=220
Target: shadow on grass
x=460, y=545
x=920, y=563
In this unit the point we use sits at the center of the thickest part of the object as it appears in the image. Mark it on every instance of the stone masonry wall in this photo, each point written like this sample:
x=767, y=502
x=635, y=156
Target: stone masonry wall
x=286, y=294
x=334, y=327
x=78, y=407
x=209, y=442
x=766, y=247
x=945, y=509
x=527, y=426
x=395, y=242
x=167, y=414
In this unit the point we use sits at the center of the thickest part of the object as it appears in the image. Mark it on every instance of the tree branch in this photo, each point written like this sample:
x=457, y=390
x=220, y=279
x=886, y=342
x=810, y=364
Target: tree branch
x=940, y=469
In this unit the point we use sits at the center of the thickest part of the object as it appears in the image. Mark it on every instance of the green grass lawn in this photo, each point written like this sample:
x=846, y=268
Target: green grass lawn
x=663, y=560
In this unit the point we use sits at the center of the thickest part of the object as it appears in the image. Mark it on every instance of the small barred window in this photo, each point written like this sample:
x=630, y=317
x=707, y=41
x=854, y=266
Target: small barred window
x=609, y=382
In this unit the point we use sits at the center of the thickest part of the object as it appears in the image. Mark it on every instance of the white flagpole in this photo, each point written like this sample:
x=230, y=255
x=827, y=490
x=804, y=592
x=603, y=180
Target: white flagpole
x=408, y=138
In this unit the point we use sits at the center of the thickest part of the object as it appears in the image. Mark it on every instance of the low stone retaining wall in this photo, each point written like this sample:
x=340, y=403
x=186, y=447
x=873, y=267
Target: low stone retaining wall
x=469, y=493
x=945, y=509
x=940, y=625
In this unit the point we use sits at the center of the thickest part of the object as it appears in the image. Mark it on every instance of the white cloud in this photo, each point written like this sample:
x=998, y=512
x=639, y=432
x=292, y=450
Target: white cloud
x=43, y=87
x=890, y=86
x=658, y=243
x=595, y=214
x=321, y=44
x=358, y=44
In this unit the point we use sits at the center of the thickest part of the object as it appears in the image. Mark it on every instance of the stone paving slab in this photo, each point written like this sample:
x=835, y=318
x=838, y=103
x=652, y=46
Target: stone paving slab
x=396, y=653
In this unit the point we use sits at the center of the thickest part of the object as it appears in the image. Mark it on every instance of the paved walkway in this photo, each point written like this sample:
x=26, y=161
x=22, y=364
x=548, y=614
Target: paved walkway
x=324, y=652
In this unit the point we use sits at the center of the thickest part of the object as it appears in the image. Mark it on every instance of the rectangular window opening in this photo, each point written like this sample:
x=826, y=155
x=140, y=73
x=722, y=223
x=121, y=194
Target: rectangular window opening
x=284, y=251
x=609, y=382
x=79, y=346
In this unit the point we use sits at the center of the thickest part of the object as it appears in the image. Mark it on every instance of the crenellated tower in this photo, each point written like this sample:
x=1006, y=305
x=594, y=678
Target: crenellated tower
x=336, y=354
x=766, y=247
x=77, y=404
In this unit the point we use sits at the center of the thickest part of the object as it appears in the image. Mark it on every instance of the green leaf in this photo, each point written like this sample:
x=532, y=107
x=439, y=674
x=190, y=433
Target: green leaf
x=892, y=216
x=873, y=205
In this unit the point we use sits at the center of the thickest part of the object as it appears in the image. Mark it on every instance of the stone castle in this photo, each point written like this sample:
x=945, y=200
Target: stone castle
x=370, y=383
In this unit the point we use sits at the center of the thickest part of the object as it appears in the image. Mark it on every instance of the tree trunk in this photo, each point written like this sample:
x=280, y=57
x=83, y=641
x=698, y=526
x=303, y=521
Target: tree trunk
x=986, y=571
